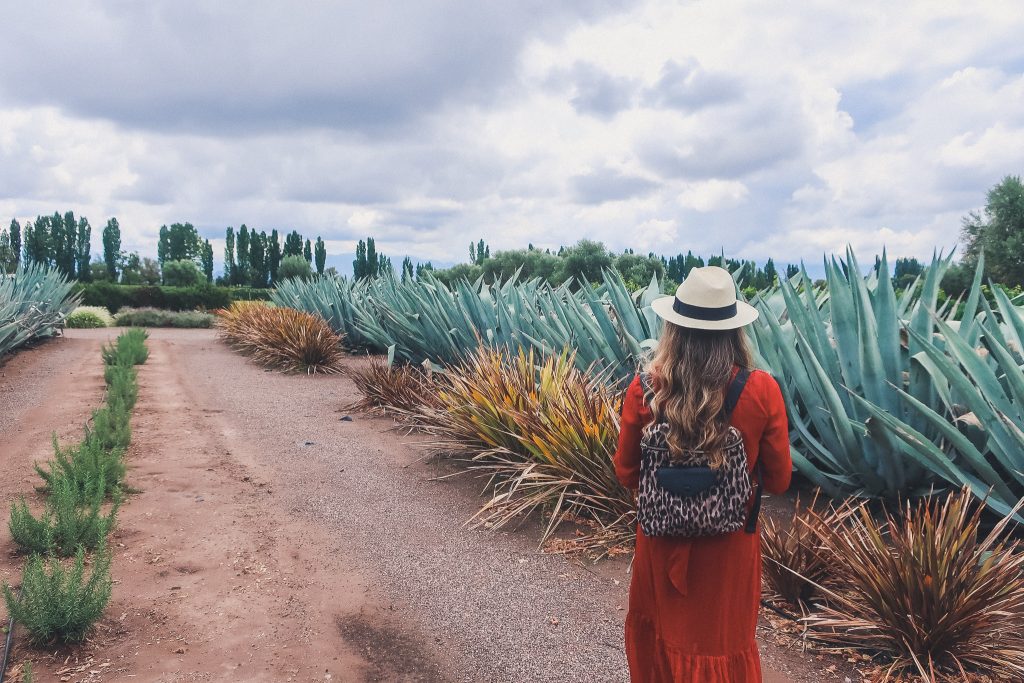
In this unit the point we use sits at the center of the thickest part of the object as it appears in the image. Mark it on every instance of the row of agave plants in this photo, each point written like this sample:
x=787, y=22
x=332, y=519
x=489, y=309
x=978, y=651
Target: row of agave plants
x=34, y=303
x=889, y=395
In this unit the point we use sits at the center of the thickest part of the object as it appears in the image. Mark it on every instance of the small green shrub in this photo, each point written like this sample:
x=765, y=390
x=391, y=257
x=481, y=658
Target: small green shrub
x=84, y=464
x=85, y=317
x=130, y=348
x=152, y=317
x=294, y=266
x=72, y=517
x=58, y=603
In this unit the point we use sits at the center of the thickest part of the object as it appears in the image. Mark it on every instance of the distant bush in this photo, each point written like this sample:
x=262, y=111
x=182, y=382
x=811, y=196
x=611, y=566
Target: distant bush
x=58, y=604
x=203, y=297
x=182, y=273
x=89, y=317
x=294, y=266
x=153, y=317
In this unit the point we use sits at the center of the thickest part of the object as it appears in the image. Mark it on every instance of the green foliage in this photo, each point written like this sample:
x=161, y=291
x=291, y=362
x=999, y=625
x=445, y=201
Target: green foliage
x=182, y=274
x=84, y=464
x=112, y=247
x=320, y=256
x=73, y=517
x=152, y=317
x=429, y=320
x=369, y=263
x=206, y=258
x=179, y=242
x=115, y=297
x=999, y=233
x=89, y=317
x=33, y=304
x=294, y=267
x=58, y=603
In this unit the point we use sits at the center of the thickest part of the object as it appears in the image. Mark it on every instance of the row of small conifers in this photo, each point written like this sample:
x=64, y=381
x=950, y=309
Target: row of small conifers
x=66, y=582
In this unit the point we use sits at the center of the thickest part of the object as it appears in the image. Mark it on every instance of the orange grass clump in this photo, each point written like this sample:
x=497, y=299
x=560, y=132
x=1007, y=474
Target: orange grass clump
x=281, y=338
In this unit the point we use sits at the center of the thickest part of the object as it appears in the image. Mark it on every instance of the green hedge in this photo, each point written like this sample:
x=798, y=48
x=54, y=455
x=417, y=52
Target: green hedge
x=206, y=297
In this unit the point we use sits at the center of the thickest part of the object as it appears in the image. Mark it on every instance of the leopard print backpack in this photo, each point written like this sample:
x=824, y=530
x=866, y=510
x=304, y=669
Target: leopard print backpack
x=684, y=496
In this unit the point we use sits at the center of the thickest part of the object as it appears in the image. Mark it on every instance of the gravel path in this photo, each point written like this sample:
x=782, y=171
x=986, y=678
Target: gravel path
x=494, y=608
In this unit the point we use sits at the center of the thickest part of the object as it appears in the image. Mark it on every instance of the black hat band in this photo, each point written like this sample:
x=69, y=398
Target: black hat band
x=703, y=312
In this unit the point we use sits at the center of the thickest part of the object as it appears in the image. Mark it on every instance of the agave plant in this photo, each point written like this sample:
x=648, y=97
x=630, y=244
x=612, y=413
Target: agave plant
x=281, y=337
x=972, y=436
x=427, y=320
x=34, y=302
x=926, y=587
x=831, y=347
x=544, y=432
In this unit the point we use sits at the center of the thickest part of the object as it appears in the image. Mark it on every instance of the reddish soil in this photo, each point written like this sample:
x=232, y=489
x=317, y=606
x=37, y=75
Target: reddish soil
x=221, y=574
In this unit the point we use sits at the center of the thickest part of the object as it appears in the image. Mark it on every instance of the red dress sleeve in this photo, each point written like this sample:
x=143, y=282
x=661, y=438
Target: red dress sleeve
x=635, y=415
x=776, y=462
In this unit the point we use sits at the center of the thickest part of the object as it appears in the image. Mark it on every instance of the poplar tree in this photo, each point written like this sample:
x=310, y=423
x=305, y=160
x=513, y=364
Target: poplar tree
x=242, y=246
x=359, y=265
x=207, y=259
x=163, y=246
x=273, y=255
x=293, y=244
x=84, y=252
x=257, y=263
x=229, y=256
x=16, y=240
x=371, y=258
x=307, y=251
x=321, y=255
x=112, y=247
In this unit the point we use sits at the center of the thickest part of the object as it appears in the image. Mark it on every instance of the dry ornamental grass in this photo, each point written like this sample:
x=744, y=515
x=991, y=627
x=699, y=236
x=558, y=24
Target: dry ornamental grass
x=926, y=588
x=281, y=338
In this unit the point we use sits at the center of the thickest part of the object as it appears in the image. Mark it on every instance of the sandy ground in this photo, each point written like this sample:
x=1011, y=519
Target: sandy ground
x=273, y=541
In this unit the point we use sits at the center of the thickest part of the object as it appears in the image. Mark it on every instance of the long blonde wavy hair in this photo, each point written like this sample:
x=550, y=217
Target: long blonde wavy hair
x=691, y=370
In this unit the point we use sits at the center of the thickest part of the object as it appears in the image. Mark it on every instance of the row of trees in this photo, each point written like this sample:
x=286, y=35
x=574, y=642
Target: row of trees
x=59, y=241
x=257, y=259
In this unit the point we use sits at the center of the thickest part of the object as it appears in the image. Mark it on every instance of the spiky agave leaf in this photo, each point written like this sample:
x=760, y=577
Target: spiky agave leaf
x=282, y=338
x=926, y=588
x=34, y=302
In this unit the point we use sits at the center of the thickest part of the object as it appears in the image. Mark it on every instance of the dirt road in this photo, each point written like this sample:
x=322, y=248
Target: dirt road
x=274, y=541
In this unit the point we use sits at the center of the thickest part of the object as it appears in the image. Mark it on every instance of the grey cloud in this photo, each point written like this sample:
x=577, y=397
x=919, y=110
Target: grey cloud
x=598, y=93
x=235, y=66
x=605, y=185
x=731, y=143
x=688, y=86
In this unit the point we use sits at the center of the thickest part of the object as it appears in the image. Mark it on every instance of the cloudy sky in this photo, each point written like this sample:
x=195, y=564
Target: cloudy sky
x=656, y=124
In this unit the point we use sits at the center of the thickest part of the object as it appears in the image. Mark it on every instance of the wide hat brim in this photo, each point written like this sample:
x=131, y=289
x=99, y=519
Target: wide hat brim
x=745, y=314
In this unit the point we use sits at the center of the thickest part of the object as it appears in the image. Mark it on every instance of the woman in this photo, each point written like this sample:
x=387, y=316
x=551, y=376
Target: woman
x=693, y=602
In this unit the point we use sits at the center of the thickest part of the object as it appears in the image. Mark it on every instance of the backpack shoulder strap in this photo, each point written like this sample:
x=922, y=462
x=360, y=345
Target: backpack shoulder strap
x=735, y=389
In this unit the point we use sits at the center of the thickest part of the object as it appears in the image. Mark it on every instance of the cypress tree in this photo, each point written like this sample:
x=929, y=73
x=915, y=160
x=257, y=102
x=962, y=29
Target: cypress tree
x=307, y=251
x=321, y=255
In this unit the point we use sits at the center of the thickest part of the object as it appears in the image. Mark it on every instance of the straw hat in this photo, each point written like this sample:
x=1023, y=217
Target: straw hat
x=706, y=300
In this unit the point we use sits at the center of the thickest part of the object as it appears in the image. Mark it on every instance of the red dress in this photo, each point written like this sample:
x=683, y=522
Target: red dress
x=693, y=603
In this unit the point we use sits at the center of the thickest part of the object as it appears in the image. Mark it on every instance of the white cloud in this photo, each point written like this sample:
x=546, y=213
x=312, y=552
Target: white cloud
x=760, y=129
